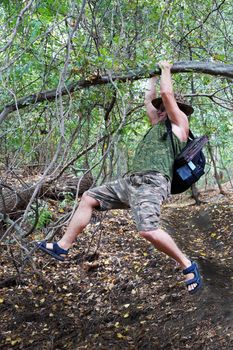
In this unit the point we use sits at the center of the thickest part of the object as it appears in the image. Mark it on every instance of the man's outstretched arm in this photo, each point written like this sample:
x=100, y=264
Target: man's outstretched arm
x=179, y=120
x=150, y=94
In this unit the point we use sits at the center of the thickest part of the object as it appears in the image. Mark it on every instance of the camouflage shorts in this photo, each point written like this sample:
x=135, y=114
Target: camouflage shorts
x=142, y=192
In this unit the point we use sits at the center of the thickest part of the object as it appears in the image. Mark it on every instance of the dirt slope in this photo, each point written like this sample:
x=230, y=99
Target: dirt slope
x=127, y=295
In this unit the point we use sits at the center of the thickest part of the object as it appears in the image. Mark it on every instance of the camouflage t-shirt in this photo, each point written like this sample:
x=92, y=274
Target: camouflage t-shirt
x=155, y=153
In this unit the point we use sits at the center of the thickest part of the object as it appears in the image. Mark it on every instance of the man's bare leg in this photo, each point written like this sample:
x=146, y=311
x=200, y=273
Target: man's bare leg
x=79, y=221
x=164, y=243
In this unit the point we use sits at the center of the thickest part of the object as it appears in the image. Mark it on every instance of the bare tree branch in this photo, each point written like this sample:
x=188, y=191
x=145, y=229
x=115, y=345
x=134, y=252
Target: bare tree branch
x=212, y=68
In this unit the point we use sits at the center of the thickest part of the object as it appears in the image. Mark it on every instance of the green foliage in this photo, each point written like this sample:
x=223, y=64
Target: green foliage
x=44, y=215
x=50, y=50
x=68, y=201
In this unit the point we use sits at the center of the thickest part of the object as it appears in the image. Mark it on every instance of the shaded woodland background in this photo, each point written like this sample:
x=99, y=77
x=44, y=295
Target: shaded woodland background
x=72, y=86
x=72, y=80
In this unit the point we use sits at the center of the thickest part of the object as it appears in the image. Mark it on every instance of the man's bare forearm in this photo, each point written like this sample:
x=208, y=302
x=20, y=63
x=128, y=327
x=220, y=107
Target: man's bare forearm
x=166, y=80
x=150, y=93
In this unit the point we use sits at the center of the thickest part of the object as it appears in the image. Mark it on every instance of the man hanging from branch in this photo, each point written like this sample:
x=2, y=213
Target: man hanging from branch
x=148, y=183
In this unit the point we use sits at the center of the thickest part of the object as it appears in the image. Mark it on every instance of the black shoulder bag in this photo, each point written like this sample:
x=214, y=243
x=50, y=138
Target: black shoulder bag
x=189, y=164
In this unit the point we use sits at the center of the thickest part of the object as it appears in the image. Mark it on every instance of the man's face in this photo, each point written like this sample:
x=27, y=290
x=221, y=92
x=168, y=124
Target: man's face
x=161, y=111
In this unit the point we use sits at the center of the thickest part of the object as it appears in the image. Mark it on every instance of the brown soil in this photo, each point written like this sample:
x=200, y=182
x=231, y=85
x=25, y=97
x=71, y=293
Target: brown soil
x=126, y=295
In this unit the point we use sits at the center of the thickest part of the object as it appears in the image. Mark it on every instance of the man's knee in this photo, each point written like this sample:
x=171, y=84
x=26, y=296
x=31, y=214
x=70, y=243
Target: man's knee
x=153, y=235
x=87, y=200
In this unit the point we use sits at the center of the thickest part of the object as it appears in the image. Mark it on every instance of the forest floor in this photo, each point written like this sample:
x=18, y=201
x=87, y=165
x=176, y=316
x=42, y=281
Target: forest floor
x=126, y=295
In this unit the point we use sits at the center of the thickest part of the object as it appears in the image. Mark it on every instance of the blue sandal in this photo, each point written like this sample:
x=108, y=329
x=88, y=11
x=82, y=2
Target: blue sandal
x=193, y=268
x=56, y=251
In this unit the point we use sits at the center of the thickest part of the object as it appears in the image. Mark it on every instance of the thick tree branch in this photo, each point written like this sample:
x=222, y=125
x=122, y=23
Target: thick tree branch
x=212, y=68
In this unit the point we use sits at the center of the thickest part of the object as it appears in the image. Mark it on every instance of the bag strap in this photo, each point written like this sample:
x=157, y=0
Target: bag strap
x=169, y=129
x=191, y=135
x=169, y=132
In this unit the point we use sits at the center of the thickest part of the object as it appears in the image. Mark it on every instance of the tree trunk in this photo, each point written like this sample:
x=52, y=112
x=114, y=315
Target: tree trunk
x=195, y=194
x=13, y=200
x=216, y=174
x=225, y=168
